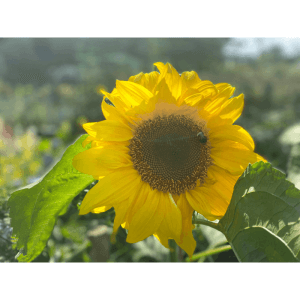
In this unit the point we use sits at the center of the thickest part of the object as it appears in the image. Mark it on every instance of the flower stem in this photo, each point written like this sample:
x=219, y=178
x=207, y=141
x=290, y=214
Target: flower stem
x=173, y=251
x=208, y=253
x=207, y=223
x=180, y=254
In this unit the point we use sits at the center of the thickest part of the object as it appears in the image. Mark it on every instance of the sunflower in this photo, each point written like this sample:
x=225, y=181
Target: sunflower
x=167, y=148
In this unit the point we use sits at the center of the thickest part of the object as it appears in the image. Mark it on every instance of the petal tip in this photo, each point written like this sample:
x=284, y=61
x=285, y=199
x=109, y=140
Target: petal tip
x=82, y=212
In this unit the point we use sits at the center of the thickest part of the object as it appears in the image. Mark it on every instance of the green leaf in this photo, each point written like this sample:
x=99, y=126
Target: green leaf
x=34, y=209
x=262, y=222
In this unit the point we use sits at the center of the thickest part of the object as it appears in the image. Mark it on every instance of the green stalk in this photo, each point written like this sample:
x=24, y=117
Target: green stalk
x=207, y=223
x=173, y=251
x=208, y=253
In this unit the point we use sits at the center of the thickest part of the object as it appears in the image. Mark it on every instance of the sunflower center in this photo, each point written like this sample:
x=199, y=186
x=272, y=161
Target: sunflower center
x=171, y=152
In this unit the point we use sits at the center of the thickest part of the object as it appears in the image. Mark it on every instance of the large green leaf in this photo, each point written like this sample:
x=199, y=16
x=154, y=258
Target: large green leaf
x=262, y=222
x=34, y=209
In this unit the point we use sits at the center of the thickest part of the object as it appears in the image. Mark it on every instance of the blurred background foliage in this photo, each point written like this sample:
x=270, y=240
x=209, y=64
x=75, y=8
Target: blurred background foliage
x=50, y=87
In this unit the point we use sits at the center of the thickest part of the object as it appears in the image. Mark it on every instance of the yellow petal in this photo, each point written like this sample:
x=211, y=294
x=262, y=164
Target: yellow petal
x=116, y=100
x=222, y=86
x=111, y=189
x=88, y=140
x=220, y=99
x=164, y=94
x=233, y=156
x=132, y=93
x=99, y=161
x=172, y=223
x=188, y=244
x=187, y=213
x=187, y=241
x=172, y=78
x=147, y=220
x=222, y=189
x=121, y=210
x=191, y=97
x=112, y=113
x=102, y=143
x=206, y=88
x=231, y=132
x=218, y=205
x=189, y=80
x=163, y=234
x=139, y=197
x=161, y=67
x=108, y=130
x=199, y=95
x=101, y=209
x=149, y=81
x=139, y=78
x=147, y=106
x=212, y=200
x=228, y=113
x=199, y=202
x=222, y=177
x=162, y=238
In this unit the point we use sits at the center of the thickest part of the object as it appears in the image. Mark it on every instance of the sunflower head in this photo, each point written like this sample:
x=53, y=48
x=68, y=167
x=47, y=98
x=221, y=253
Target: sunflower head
x=167, y=148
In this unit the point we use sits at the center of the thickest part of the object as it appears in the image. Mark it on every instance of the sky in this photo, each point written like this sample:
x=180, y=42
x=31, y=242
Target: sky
x=253, y=47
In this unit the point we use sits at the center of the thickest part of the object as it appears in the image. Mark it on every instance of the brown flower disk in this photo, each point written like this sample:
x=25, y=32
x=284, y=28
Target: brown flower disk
x=168, y=154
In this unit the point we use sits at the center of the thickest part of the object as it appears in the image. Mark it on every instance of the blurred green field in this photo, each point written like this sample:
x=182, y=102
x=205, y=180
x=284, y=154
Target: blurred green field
x=50, y=87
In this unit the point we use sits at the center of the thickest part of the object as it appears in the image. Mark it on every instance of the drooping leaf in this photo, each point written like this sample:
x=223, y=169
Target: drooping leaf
x=262, y=222
x=34, y=209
